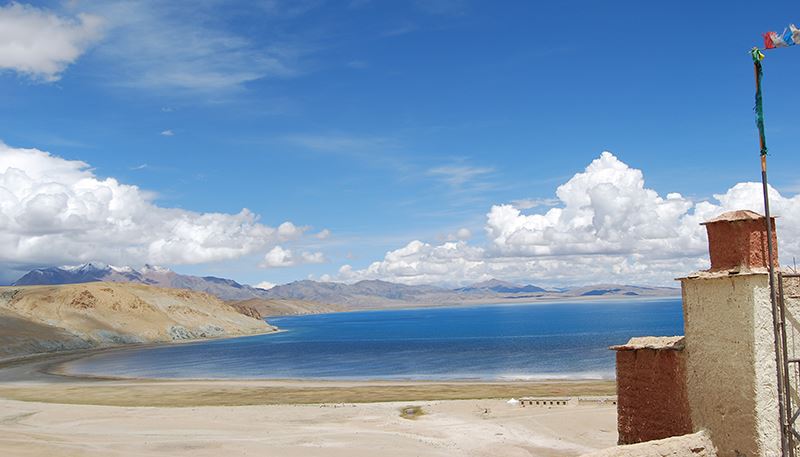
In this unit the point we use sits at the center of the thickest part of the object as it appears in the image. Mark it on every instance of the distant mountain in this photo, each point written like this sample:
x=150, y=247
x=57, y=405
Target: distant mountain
x=382, y=294
x=87, y=272
x=226, y=289
x=361, y=295
x=599, y=290
x=504, y=287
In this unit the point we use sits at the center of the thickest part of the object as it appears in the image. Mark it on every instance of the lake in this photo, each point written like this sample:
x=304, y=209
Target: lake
x=563, y=340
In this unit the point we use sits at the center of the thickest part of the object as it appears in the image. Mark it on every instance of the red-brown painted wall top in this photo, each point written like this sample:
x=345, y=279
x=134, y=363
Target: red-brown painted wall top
x=738, y=240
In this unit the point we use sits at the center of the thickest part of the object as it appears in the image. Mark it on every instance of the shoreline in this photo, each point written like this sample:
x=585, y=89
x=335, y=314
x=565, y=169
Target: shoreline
x=44, y=377
x=4, y=361
x=92, y=351
x=400, y=307
x=46, y=411
x=39, y=380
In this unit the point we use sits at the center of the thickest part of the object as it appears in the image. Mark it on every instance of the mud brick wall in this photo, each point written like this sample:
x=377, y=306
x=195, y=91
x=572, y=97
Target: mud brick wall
x=652, y=398
x=738, y=239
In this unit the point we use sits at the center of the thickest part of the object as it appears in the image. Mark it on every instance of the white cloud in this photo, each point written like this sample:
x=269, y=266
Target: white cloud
x=604, y=210
x=607, y=227
x=287, y=230
x=312, y=257
x=266, y=285
x=458, y=175
x=167, y=133
x=530, y=203
x=279, y=257
x=55, y=211
x=323, y=234
x=423, y=263
x=169, y=47
x=40, y=44
x=461, y=234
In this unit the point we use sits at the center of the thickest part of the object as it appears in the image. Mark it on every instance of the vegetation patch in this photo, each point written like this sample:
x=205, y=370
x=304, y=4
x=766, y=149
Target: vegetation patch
x=411, y=412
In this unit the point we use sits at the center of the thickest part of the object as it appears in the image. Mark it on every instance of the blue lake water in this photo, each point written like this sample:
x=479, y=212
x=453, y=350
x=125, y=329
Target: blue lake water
x=565, y=340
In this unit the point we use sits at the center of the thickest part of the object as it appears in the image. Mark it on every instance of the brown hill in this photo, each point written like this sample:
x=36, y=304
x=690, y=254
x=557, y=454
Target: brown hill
x=263, y=307
x=51, y=318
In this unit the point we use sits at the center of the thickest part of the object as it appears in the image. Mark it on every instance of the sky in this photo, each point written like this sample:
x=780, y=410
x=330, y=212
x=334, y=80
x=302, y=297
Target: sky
x=439, y=141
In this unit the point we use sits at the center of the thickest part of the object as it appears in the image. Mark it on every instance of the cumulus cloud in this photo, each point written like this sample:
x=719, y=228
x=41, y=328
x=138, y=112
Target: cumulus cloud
x=423, y=263
x=167, y=133
x=39, y=44
x=279, y=257
x=57, y=211
x=606, y=227
x=323, y=234
x=266, y=285
x=288, y=231
x=604, y=210
x=461, y=234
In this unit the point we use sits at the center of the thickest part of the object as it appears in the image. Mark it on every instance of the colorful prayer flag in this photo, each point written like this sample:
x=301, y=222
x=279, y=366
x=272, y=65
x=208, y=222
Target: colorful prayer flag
x=789, y=37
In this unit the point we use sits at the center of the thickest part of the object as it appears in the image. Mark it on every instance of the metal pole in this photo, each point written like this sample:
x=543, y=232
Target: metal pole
x=779, y=357
x=757, y=56
x=787, y=386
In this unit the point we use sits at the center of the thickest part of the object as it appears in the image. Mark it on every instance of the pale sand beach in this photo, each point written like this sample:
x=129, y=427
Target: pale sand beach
x=447, y=428
x=43, y=413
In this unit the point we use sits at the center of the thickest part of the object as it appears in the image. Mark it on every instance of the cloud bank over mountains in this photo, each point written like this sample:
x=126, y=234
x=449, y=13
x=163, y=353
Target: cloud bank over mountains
x=279, y=257
x=55, y=211
x=606, y=226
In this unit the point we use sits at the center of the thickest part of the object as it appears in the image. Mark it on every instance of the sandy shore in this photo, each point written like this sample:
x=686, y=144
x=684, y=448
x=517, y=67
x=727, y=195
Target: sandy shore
x=447, y=428
x=44, y=413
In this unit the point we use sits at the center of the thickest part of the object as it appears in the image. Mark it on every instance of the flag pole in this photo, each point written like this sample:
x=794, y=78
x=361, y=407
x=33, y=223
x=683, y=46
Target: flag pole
x=758, y=56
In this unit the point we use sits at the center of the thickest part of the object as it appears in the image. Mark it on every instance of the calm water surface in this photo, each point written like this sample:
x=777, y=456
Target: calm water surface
x=561, y=340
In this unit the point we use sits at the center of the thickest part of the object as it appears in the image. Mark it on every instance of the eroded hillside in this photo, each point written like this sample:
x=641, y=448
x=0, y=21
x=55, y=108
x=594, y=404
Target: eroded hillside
x=51, y=318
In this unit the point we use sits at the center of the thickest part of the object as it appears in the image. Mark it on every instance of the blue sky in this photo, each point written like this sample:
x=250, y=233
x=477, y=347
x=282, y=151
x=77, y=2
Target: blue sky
x=387, y=122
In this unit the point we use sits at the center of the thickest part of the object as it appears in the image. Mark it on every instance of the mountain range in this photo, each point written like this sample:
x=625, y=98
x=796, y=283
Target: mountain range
x=226, y=289
x=360, y=295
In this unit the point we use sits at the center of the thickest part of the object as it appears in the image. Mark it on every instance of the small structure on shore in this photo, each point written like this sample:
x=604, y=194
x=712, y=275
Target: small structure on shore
x=548, y=402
